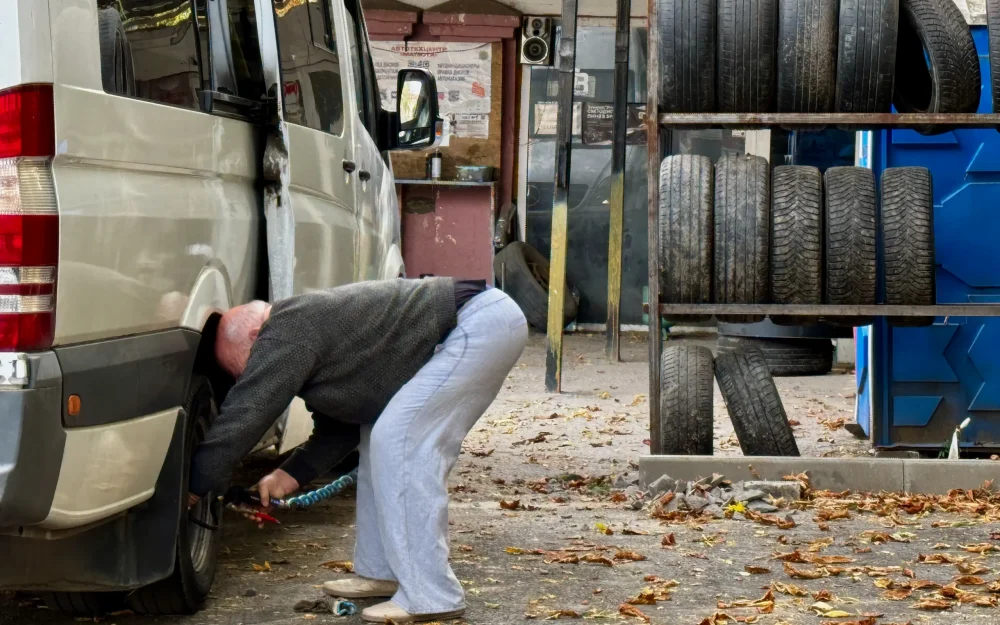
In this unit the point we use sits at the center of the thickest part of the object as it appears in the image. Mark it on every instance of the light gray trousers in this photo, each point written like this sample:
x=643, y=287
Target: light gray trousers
x=402, y=509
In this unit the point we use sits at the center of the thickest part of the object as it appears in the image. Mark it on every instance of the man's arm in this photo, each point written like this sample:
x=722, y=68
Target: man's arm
x=330, y=443
x=274, y=374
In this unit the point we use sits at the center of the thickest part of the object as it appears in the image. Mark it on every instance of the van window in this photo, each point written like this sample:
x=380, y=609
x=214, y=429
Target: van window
x=160, y=38
x=359, y=80
x=310, y=65
x=244, y=62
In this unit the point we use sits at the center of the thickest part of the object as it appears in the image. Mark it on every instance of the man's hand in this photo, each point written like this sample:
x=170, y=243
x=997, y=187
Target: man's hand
x=193, y=500
x=277, y=485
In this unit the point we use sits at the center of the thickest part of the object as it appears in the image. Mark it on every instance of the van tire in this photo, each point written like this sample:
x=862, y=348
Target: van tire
x=742, y=234
x=851, y=241
x=686, y=239
x=687, y=55
x=754, y=405
x=796, y=239
x=527, y=283
x=807, y=56
x=866, y=67
x=953, y=83
x=686, y=404
x=908, y=231
x=189, y=584
x=84, y=603
x=747, y=63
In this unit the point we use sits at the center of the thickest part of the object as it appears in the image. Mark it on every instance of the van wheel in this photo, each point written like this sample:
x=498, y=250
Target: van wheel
x=197, y=547
x=84, y=603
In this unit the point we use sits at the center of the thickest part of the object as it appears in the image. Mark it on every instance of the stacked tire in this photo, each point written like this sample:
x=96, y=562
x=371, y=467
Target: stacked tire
x=734, y=234
x=820, y=56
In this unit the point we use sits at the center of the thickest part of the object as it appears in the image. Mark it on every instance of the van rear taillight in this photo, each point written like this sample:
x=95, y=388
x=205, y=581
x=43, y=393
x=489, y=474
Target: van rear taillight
x=27, y=121
x=29, y=219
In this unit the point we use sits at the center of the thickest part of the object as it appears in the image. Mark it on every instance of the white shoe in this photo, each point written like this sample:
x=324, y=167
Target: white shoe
x=389, y=611
x=360, y=588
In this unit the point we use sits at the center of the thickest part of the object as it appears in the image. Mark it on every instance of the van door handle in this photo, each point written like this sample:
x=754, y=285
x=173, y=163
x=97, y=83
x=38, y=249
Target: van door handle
x=350, y=166
x=365, y=175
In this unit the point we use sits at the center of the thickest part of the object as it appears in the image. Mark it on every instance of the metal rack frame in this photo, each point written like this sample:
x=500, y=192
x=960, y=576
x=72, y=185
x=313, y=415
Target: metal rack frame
x=658, y=125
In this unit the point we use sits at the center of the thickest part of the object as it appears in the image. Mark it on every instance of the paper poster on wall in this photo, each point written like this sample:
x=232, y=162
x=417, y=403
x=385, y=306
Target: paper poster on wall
x=598, y=124
x=547, y=118
x=464, y=78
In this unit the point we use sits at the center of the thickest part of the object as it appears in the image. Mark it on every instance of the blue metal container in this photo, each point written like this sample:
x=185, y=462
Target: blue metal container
x=917, y=384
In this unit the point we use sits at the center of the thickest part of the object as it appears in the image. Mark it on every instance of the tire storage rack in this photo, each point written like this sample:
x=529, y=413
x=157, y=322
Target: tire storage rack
x=678, y=376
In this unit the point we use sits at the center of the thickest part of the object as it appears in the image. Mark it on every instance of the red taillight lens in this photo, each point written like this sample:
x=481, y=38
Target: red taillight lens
x=27, y=121
x=26, y=332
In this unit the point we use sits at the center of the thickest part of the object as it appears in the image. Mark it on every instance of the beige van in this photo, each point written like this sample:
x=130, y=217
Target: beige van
x=160, y=162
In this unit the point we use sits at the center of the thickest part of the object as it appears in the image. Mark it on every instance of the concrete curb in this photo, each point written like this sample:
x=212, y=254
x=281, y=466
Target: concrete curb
x=923, y=477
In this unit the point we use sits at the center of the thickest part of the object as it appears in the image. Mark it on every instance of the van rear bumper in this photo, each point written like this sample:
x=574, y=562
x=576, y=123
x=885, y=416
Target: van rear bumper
x=32, y=445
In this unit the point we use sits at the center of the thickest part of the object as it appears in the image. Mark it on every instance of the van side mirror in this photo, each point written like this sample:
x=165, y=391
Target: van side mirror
x=416, y=109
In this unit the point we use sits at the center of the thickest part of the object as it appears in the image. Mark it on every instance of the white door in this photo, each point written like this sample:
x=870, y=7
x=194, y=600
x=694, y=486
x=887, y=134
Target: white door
x=375, y=183
x=323, y=168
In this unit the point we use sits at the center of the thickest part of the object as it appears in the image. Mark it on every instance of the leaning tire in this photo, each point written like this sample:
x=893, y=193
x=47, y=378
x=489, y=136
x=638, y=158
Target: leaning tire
x=807, y=56
x=796, y=239
x=197, y=547
x=785, y=357
x=754, y=405
x=686, y=239
x=687, y=55
x=84, y=604
x=742, y=234
x=952, y=83
x=526, y=279
x=851, y=241
x=908, y=231
x=866, y=66
x=686, y=405
x=117, y=72
x=748, y=40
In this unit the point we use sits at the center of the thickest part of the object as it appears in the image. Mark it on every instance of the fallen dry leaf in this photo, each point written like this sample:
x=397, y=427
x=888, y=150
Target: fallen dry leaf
x=819, y=545
x=629, y=556
x=756, y=570
x=262, y=568
x=789, y=589
x=630, y=610
x=340, y=566
x=823, y=595
x=979, y=548
x=514, y=551
x=971, y=568
x=668, y=540
x=795, y=573
x=932, y=604
x=870, y=620
x=897, y=594
x=596, y=558
x=827, y=514
x=632, y=532
x=510, y=505
x=619, y=497
x=940, y=558
x=769, y=519
x=969, y=580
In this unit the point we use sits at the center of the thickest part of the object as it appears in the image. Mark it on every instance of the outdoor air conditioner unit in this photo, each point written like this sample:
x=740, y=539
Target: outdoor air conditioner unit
x=536, y=41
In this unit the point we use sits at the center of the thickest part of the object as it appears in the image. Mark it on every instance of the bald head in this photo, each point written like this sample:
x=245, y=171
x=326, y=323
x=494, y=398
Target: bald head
x=237, y=333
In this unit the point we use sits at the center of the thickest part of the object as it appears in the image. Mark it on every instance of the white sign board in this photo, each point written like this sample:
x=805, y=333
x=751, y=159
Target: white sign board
x=464, y=74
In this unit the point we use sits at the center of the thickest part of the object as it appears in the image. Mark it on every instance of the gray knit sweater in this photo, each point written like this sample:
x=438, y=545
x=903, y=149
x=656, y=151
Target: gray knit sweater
x=346, y=352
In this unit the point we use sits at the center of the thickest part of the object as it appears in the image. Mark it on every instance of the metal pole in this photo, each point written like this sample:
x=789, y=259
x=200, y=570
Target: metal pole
x=620, y=133
x=655, y=154
x=560, y=208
